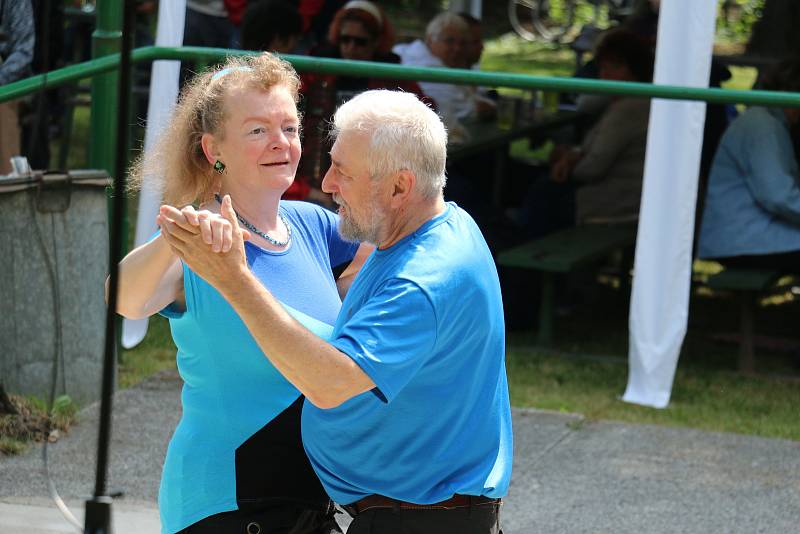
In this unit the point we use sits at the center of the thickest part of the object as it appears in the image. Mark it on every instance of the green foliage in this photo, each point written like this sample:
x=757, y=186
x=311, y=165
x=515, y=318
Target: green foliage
x=36, y=404
x=33, y=422
x=736, y=22
x=11, y=446
x=511, y=53
x=713, y=400
x=64, y=406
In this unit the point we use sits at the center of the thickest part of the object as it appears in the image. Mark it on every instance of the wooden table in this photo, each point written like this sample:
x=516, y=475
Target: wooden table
x=488, y=137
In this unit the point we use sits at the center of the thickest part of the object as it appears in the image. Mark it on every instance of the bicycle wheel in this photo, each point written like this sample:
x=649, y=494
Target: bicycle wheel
x=541, y=19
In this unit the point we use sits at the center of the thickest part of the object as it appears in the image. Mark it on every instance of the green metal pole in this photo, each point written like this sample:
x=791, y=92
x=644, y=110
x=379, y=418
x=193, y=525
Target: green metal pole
x=106, y=40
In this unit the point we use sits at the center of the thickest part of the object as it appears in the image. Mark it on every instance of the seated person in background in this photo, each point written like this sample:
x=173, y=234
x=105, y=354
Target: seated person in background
x=601, y=178
x=473, y=46
x=473, y=50
x=360, y=31
x=17, y=37
x=644, y=23
x=752, y=205
x=271, y=26
x=445, y=45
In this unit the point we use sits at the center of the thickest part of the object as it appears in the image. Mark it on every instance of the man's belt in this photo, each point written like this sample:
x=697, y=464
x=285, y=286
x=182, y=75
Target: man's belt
x=379, y=501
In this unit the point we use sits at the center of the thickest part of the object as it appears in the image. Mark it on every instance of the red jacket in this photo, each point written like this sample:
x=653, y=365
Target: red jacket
x=236, y=10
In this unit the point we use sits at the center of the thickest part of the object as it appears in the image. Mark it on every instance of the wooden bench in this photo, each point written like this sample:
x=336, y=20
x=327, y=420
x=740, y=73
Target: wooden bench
x=747, y=283
x=563, y=252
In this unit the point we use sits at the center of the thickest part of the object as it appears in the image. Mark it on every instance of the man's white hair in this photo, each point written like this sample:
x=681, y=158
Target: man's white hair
x=443, y=20
x=404, y=134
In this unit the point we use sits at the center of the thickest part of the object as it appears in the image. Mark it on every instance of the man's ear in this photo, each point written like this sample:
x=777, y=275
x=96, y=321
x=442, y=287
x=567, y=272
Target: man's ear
x=210, y=148
x=404, y=183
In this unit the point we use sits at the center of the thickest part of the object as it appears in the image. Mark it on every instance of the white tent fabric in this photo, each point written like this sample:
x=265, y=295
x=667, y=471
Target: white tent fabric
x=661, y=285
x=473, y=7
x=163, y=94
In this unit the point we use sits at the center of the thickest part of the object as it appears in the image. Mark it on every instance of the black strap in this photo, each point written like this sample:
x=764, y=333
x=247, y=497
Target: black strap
x=339, y=269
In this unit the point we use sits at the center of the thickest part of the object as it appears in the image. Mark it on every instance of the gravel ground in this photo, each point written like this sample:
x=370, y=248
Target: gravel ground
x=569, y=475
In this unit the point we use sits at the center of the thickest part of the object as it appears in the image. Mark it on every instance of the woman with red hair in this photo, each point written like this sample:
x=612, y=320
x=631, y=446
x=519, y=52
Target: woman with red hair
x=360, y=31
x=376, y=35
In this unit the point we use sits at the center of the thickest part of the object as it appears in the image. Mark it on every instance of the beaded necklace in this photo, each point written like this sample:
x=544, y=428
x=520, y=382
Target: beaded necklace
x=247, y=224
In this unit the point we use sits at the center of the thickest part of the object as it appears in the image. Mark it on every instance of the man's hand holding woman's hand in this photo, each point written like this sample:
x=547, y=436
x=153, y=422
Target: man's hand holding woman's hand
x=211, y=245
x=215, y=229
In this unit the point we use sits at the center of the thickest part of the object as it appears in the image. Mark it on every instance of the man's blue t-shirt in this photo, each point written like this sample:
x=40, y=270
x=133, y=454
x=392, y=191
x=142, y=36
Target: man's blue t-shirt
x=424, y=319
x=238, y=442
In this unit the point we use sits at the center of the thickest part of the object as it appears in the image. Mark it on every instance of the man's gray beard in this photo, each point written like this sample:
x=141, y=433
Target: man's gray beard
x=351, y=231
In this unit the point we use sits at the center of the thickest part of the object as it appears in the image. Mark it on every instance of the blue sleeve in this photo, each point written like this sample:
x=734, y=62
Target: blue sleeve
x=21, y=37
x=391, y=336
x=773, y=174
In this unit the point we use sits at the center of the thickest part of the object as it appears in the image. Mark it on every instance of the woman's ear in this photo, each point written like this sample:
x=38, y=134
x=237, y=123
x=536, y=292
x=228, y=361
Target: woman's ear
x=210, y=148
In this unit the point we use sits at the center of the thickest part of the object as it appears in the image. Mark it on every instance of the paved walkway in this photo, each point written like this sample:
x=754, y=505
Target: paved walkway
x=569, y=475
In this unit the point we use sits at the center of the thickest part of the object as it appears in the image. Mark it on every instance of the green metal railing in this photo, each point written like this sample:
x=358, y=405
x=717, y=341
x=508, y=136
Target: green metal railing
x=106, y=42
x=401, y=72
x=103, y=110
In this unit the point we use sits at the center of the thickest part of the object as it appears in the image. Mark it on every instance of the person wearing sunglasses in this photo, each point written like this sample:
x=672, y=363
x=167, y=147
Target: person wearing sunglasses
x=360, y=31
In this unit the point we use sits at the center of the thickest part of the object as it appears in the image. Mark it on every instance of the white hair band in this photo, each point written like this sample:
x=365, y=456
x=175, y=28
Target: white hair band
x=369, y=7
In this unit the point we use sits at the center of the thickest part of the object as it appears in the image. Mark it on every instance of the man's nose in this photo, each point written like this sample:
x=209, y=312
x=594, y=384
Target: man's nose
x=328, y=184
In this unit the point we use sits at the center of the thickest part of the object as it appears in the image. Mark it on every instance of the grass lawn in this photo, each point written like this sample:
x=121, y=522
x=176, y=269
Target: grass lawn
x=155, y=353
x=587, y=371
x=706, y=398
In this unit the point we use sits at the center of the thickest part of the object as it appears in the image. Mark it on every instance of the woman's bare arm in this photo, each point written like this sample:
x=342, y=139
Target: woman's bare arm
x=150, y=278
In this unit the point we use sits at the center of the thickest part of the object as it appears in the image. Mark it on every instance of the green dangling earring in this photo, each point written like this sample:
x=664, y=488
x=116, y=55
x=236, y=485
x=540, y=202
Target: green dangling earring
x=219, y=167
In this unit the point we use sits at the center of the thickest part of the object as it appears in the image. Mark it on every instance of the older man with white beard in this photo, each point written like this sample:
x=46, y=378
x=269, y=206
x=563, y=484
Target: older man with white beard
x=407, y=423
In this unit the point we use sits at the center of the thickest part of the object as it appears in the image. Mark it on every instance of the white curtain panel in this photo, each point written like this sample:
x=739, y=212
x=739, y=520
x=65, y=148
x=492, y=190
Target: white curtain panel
x=163, y=95
x=473, y=7
x=662, y=268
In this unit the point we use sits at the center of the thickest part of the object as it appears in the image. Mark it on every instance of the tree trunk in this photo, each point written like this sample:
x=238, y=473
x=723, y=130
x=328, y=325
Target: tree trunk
x=6, y=406
x=775, y=34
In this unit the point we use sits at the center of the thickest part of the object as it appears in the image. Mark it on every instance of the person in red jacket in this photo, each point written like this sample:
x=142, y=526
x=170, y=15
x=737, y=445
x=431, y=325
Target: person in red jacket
x=360, y=31
x=236, y=9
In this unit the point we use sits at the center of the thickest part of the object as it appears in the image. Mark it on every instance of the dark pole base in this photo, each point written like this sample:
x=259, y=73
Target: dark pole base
x=98, y=516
